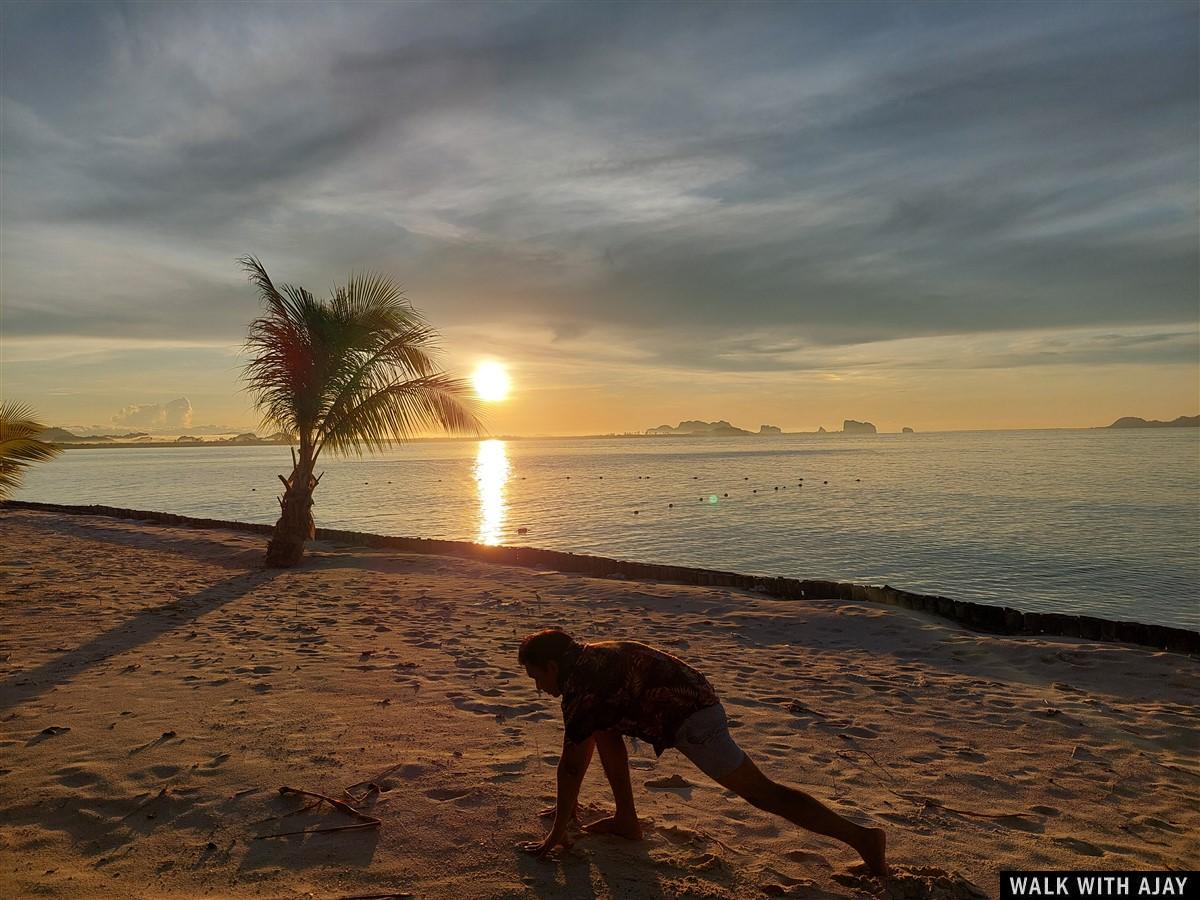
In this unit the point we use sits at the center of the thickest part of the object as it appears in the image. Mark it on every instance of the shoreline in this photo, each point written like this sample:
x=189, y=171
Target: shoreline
x=981, y=617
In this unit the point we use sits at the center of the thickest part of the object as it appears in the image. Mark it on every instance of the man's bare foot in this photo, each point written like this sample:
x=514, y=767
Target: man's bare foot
x=623, y=826
x=873, y=850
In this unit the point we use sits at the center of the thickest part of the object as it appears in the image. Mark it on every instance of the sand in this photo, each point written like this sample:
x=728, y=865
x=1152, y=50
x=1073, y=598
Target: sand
x=157, y=688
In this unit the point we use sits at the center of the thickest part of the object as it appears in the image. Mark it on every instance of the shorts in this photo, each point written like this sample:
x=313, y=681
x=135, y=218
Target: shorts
x=704, y=738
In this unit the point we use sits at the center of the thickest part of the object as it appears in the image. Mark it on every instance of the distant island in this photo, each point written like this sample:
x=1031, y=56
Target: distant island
x=69, y=440
x=696, y=428
x=1135, y=422
x=721, y=428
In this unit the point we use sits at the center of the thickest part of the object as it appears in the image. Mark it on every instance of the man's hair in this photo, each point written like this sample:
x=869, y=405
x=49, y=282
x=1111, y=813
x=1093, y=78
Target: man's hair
x=551, y=645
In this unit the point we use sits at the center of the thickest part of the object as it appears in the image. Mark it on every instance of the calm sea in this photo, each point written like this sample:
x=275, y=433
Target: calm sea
x=1103, y=522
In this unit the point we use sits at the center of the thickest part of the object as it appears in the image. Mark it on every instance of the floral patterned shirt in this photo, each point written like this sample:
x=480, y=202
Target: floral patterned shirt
x=633, y=688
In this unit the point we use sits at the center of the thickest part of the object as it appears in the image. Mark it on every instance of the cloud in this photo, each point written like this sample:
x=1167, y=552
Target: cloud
x=833, y=174
x=172, y=414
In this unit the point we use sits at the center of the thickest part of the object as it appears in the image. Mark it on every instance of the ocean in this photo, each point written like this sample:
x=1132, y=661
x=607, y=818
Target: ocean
x=1099, y=522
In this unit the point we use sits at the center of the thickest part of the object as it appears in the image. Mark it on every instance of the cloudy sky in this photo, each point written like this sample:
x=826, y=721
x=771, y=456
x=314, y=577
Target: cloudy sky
x=943, y=215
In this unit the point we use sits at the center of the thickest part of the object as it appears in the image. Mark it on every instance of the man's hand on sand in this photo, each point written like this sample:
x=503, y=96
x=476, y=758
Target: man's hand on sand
x=540, y=848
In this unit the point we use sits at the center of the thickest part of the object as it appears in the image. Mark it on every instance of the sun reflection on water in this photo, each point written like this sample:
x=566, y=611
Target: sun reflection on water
x=491, y=474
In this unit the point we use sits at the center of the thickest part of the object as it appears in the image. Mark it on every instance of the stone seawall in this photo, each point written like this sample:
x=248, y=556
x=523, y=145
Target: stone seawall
x=977, y=616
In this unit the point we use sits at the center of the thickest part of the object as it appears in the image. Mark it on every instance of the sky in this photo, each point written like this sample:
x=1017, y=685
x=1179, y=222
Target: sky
x=936, y=215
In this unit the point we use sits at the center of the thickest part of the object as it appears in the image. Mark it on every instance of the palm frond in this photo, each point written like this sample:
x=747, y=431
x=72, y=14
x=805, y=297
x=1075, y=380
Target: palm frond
x=357, y=369
x=408, y=355
x=19, y=445
x=402, y=410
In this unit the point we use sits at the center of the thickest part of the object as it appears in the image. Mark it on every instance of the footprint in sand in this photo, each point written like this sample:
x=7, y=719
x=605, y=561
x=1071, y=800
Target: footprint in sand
x=1083, y=848
x=444, y=794
x=971, y=755
x=76, y=776
x=912, y=881
x=677, y=835
x=807, y=858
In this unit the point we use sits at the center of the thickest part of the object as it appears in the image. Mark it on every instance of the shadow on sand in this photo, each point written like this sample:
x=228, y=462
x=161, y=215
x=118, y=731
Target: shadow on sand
x=141, y=628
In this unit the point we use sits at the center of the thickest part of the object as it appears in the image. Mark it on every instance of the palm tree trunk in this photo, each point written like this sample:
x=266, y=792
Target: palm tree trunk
x=295, y=525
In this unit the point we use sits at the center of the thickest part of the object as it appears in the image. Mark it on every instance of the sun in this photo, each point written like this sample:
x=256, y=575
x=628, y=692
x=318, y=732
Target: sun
x=491, y=381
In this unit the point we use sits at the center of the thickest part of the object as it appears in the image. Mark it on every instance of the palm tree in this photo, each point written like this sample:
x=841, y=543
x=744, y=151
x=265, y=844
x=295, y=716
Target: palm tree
x=19, y=445
x=354, y=371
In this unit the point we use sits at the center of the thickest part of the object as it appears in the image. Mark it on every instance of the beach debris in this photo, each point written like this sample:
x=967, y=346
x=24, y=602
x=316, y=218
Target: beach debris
x=55, y=729
x=796, y=708
x=371, y=785
x=669, y=781
x=522, y=530
x=365, y=821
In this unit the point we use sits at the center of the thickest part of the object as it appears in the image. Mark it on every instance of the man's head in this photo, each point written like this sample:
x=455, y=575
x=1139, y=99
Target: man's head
x=547, y=657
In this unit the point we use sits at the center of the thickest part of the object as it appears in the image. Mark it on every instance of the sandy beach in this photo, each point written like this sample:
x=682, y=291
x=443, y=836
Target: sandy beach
x=158, y=687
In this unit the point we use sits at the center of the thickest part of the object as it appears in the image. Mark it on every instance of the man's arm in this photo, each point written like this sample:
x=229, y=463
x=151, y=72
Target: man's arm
x=572, y=766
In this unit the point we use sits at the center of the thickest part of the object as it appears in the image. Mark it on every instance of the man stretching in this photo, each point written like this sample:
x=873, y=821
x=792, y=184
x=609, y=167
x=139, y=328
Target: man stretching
x=614, y=688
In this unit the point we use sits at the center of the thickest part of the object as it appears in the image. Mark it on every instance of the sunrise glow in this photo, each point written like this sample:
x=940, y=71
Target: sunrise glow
x=491, y=382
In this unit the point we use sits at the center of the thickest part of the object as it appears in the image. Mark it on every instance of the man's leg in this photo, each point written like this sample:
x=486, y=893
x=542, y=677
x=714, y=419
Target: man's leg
x=615, y=759
x=807, y=812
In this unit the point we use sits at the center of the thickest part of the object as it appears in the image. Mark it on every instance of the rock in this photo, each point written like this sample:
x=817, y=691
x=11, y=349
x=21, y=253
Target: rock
x=907, y=430
x=852, y=426
x=769, y=429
